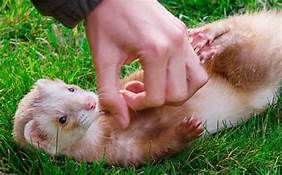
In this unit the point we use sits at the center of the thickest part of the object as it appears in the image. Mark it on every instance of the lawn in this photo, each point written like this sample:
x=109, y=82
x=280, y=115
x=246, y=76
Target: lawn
x=32, y=47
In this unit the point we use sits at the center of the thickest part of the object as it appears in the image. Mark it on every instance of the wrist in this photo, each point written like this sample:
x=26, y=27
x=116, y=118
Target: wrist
x=68, y=12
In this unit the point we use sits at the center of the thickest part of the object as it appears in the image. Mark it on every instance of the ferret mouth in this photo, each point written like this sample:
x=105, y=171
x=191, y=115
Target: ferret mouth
x=86, y=118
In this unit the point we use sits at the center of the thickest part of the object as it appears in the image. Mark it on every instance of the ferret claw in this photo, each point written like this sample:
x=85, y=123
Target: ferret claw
x=209, y=54
x=191, y=128
x=200, y=46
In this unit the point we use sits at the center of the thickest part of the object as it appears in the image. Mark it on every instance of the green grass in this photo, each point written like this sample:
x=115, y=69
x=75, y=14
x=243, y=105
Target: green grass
x=32, y=47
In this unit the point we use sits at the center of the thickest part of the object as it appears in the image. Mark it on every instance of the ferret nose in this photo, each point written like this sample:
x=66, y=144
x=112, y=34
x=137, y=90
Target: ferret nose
x=90, y=104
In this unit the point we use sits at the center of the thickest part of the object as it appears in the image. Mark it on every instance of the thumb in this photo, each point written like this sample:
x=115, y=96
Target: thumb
x=130, y=92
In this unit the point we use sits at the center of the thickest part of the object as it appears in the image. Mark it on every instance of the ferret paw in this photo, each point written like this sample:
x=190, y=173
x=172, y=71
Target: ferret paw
x=209, y=53
x=200, y=38
x=202, y=41
x=191, y=128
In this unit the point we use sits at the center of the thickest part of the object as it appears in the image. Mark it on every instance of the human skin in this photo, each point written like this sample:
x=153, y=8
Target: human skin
x=119, y=33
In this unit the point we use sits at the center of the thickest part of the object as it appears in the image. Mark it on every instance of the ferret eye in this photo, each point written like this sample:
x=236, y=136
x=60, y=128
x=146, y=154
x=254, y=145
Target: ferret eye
x=71, y=89
x=63, y=119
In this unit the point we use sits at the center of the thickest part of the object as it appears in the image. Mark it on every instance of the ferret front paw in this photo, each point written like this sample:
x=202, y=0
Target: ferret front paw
x=190, y=128
x=202, y=41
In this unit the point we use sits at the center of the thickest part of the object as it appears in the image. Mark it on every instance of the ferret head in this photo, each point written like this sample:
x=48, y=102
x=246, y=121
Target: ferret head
x=54, y=116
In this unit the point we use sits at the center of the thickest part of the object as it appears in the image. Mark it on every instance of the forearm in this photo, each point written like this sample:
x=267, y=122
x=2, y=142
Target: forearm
x=68, y=12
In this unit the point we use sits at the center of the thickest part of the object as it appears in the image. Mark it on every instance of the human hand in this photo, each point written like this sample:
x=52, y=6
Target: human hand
x=120, y=31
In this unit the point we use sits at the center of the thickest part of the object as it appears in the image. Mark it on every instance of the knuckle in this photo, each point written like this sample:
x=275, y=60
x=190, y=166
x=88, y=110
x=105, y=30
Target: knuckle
x=177, y=99
x=177, y=37
x=166, y=44
x=183, y=27
x=155, y=101
x=178, y=96
x=202, y=78
x=158, y=48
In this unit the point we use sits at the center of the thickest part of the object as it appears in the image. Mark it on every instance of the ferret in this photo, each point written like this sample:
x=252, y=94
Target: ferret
x=243, y=58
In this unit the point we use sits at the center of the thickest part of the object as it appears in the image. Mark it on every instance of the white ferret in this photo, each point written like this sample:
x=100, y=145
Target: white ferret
x=245, y=75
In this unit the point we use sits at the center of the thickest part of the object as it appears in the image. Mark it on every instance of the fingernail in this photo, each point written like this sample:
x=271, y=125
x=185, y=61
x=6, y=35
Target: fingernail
x=122, y=91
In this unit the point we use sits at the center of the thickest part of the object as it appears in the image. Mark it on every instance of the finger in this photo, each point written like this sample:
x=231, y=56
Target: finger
x=196, y=74
x=155, y=85
x=107, y=71
x=176, y=89
x=132, y=88
x=134, y=101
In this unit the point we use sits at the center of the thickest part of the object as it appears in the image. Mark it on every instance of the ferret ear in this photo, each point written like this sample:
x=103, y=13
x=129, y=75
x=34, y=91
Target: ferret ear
x=32, y=136
x=37, y=139
x=28, y=130
x=59, y=81
x=41, y=83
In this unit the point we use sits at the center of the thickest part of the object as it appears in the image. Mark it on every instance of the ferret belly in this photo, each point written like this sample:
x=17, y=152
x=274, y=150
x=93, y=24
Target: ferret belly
x=220, y=105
